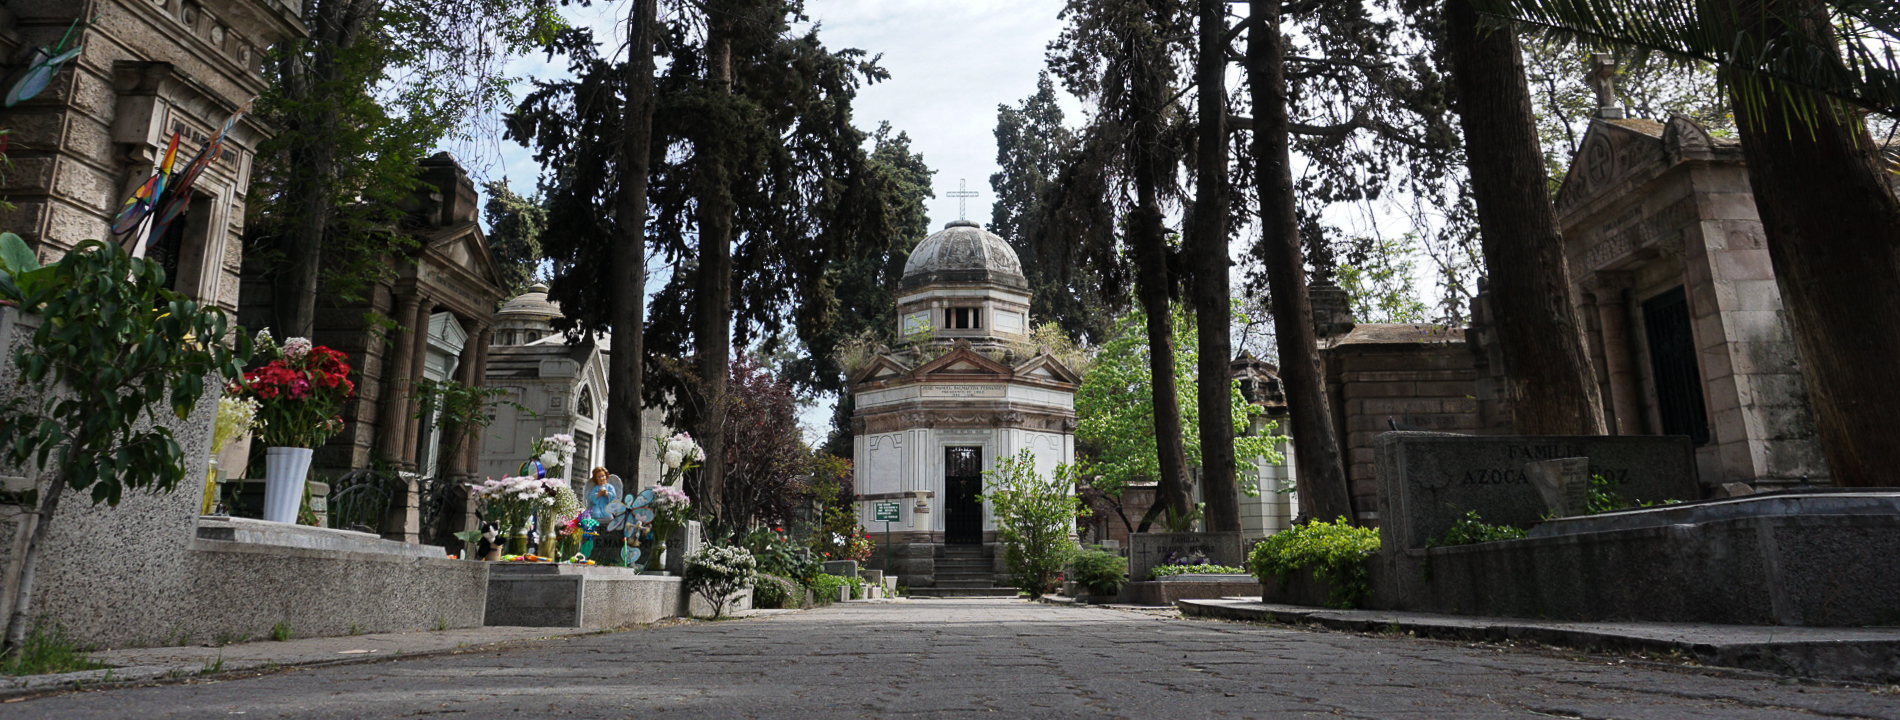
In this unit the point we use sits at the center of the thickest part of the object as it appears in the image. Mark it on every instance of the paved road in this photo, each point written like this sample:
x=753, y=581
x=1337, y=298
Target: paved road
x=980, y=658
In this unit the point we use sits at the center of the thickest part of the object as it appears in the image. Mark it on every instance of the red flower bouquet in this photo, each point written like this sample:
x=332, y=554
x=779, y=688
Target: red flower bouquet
x=299, y=393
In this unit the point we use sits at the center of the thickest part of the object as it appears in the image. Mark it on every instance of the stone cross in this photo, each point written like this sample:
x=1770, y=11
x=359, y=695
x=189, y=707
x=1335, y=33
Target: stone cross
x=962, y=196
x=1602, y=79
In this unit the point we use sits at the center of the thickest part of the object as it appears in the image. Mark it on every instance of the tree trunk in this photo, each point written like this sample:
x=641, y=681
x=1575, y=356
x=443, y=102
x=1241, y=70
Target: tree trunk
x=1154, y=287
x=308, y=191
x=1832, y=226
x=716, y=214
x=1321, y=479
x=1213, y=309
x=21, y=619
x=312, y=188
x=626, y=364
x=1547, y=370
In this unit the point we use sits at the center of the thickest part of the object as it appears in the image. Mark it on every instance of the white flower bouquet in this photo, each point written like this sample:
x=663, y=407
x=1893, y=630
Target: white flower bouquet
x=677, y=454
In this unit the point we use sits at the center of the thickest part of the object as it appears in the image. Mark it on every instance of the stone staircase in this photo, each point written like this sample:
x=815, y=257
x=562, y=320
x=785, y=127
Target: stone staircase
x=965, y=571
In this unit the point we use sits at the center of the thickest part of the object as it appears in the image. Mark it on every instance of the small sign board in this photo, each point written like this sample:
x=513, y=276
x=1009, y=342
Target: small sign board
x=885, y=512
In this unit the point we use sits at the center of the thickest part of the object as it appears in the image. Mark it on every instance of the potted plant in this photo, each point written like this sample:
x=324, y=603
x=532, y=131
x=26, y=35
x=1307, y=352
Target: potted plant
x=300, y=394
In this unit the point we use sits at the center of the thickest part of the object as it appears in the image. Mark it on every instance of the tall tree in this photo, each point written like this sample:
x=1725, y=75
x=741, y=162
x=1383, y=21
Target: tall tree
x=715, y=153
x=1032, y=143
x=1119, y=56
x=1549, y=379
x=802, y=192
x=627, y=258
x=375, y=86
x=514, y=234
x=1209, y=265
x=1800, y=73
x=866, y=283
x=1321, y=476
x=593, y=135
x=765, y=181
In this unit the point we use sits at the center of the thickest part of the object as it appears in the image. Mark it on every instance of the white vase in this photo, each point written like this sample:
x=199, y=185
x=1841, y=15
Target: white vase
x=284, y=472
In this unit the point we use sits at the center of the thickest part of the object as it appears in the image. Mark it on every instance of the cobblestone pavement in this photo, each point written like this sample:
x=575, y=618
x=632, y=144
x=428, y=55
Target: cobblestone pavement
x=989, y=658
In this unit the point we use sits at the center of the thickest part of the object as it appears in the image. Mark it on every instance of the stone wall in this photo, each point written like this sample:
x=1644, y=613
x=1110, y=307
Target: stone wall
x=1417, y=376
x=1815, y=571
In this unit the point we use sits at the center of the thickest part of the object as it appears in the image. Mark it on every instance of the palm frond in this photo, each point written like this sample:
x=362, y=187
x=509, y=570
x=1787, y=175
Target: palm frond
x=1845, y=50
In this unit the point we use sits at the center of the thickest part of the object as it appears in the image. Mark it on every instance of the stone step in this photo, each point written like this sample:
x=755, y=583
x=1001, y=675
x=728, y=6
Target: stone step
x=963, y=564
x=944, y=582
x=956, y=592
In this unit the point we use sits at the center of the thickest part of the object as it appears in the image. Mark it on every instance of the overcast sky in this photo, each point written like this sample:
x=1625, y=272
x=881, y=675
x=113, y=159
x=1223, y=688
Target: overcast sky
x=951, y=64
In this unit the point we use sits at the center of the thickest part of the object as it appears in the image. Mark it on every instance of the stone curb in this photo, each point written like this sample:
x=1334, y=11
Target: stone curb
x=1869, y=655
x=17, y=688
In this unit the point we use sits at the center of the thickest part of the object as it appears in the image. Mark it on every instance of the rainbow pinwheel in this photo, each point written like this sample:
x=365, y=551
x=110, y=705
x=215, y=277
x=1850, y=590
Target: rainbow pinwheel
x=175, y=194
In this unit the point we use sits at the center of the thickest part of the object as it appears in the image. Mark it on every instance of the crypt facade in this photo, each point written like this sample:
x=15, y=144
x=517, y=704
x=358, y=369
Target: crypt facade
x=963, y=388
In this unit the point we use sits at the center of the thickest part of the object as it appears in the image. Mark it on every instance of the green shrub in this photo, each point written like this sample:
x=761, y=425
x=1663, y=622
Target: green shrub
x=1602, y=498
x=779, y=555
x=1472, y=529
x=772, y=591
x=1335, y=552
x=1103, y=573
x=1035, y=519
x=717, y=573
x=1162, y=571
x=825, y=588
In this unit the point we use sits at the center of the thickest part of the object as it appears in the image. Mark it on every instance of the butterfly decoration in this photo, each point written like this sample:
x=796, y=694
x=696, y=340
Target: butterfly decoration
x=42, y=66
x=172, y=187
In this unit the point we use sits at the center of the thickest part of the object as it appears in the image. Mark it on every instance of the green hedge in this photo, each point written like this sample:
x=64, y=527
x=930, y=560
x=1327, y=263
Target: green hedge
x=1335, y=552
x=1103, y=573
x=1169, y=570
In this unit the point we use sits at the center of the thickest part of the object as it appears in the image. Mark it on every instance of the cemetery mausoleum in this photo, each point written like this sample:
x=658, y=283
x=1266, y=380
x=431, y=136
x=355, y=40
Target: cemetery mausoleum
x=963, y=389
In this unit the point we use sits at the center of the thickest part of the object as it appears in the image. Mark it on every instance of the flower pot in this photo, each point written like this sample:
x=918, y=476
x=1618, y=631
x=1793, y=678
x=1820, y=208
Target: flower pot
x=284, y=472
x=518, y=542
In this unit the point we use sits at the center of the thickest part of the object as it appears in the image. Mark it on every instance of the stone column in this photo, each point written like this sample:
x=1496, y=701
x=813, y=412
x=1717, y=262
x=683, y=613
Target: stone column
x=472, y=452
x=418, y=359
x=395, y=385
x=1613, y=316
x=456, y=464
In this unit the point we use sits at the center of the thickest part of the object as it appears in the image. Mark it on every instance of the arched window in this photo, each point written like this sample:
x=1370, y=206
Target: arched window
x=585, y=406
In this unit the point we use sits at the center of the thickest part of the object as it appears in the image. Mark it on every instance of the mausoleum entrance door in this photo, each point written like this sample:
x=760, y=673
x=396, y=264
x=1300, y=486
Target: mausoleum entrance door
x=963, y=487
x=1672, y=358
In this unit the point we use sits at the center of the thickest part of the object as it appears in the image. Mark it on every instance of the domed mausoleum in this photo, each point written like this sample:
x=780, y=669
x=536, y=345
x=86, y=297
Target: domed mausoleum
x=963, y=388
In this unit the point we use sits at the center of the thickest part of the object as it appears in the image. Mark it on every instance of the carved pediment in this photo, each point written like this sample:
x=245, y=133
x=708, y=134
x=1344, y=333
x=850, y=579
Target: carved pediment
x=1612, y=151
x=881, y=367
x=1044, y=366
x=964, y=362
x=465, y=248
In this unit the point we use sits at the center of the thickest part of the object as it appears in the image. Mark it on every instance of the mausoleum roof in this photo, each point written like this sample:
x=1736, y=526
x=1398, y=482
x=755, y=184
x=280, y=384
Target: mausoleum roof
x=963, y=252
x=531, y=304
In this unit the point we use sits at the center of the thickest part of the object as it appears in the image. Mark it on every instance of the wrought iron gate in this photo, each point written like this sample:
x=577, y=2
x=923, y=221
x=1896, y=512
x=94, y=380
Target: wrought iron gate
x=1672, y=360
x=963, y=488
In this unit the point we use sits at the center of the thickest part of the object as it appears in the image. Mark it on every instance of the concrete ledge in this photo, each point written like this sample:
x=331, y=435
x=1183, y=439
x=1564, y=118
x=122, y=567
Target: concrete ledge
x=259, y=532
x=319, y=593
x=589, y=597
x=1849, y=654
x=1825, y=570
x=1166, y=592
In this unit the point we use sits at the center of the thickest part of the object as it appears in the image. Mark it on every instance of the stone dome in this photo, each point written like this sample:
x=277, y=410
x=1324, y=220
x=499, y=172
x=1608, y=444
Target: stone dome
x=962, y=252
x=526, y=318
x=532, y=304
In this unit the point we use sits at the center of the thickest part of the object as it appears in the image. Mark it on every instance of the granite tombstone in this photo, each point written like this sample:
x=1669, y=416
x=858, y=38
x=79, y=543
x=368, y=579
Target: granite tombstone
x=1427, y=481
